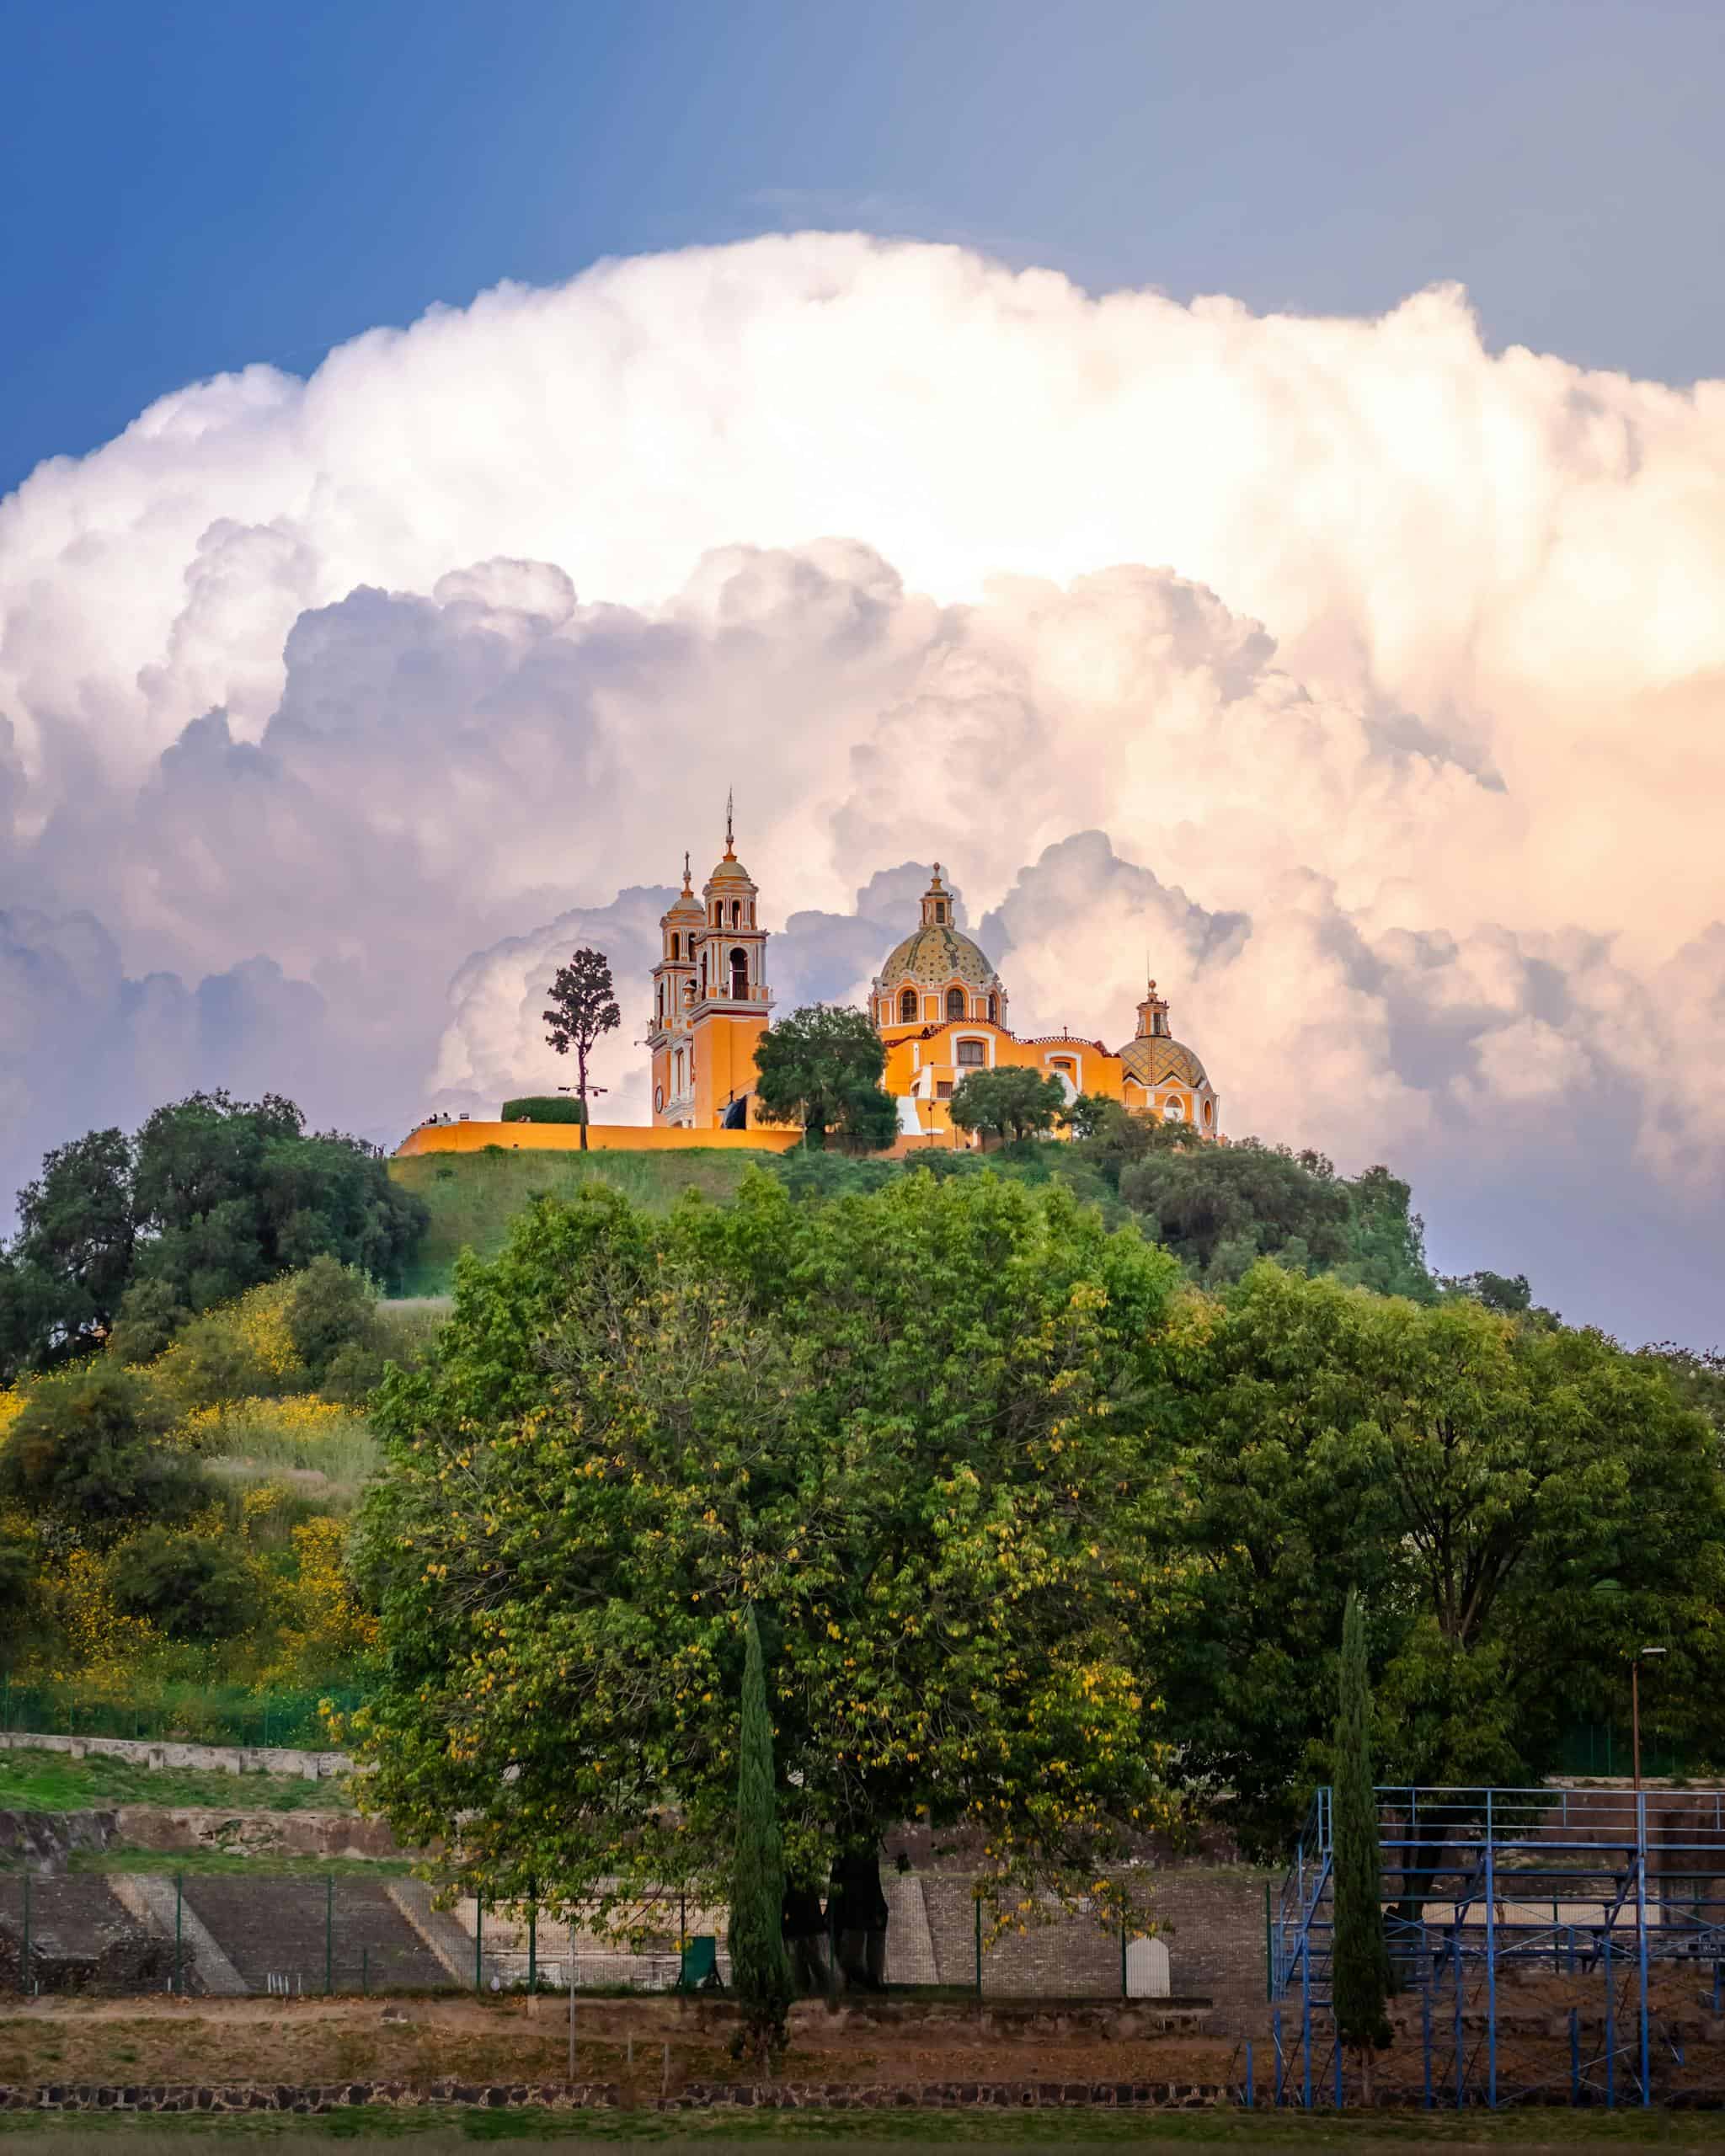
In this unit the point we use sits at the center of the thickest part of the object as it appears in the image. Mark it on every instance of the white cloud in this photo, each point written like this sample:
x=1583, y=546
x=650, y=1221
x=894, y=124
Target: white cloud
x=1405, y=761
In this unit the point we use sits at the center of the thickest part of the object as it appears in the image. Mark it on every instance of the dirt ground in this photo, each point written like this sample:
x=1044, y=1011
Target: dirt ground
x=321, y=2040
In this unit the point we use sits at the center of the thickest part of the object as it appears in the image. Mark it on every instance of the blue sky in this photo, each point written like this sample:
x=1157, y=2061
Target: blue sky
x=190, y=186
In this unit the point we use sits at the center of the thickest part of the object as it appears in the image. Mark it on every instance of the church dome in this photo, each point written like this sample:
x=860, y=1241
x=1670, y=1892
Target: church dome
x=1154, y=1059
x=935, y=955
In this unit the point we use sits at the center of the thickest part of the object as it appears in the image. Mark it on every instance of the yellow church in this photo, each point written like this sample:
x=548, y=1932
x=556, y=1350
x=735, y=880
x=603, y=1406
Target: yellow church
x=937, y=1003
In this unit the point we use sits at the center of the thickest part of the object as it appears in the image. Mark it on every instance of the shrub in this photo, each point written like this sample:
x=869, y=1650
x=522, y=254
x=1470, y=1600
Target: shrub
x=192, y=1587
x=330, y=1309
x=543, y=1108
x=88, y=1449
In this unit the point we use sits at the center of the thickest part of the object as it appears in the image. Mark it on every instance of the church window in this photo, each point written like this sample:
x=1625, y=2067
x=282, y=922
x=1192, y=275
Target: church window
x=1172, y=1111
x=736, y=913
x=674, y=941
x=940, y=913
x=661, y=1003
x=993, y=1010
x=1209, y=1111
x=740, y=975
x=970, y=1056
x=907, y=1007
x=677, y=1071
x=658, y=1098
x=955, y=1003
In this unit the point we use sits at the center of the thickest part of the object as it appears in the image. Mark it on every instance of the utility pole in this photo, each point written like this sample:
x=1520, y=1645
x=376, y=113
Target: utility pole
x=1635, y=1662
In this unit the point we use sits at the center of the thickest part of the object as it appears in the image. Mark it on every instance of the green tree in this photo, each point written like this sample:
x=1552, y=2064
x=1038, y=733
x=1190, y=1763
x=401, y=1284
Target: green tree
x=760, y=1968
x=1010, y=1102
x=87, y=1452
x=332, y=1308
x=1476, y=1476
x=821, y=1068
x=582, y=1010
x=131, y=1238
x=913, y=1425
x=1088, y=1115
x=1360, y=1980
x=193, y=1587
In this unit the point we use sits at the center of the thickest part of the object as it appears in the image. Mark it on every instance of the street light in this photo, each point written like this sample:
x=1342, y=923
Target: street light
x=1635, y=1662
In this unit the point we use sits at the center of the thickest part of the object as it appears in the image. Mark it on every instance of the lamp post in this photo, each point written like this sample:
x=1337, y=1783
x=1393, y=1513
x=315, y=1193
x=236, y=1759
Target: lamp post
x=1635, y=1662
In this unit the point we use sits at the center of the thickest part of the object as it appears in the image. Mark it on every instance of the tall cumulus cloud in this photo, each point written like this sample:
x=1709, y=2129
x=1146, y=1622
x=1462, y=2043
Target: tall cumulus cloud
x=1365, y=684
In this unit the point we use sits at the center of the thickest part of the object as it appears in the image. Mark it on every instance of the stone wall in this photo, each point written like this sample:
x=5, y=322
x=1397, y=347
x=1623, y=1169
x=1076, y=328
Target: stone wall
x=214, y=1758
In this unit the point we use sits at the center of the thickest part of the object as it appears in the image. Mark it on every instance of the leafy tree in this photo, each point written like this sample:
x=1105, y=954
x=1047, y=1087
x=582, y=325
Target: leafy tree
x=1360, y=1957
x=912, y=1425
x=1220, y=1207
x=86, y=1451
x=330, y=1307
x=151, y=1313
x=583, y=1008
x=1010, y=1102
x=760, y=1968
x=821, y=1068
x=1089, y=1115
x=77, y=1230
x=213, y=1196
x=1478, y=1477
x=192, y=1587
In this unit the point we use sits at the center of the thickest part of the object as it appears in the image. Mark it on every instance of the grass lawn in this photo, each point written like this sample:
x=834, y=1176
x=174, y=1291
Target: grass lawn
x=54, y=1781
x=474, y=1197
x=272, y=1865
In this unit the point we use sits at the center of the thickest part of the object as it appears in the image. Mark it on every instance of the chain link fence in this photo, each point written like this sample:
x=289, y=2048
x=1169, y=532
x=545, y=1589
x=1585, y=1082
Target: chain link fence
x=250, y=1933
x=177, y=1714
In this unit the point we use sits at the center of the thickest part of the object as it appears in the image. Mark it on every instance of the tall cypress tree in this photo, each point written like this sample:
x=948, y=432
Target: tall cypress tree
x=1360, y=1980
x=760, y=1968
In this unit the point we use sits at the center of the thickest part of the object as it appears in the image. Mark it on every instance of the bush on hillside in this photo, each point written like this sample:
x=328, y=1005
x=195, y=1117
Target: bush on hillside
x=543, y=1108
x=87, y=1451
x=191, y=1587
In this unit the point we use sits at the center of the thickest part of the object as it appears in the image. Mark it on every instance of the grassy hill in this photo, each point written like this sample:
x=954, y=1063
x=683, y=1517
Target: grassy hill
x=473, y=1196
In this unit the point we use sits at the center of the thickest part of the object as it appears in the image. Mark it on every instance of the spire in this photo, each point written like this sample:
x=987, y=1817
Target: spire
x=688, y=888
x=731, y=844
x=937, y=901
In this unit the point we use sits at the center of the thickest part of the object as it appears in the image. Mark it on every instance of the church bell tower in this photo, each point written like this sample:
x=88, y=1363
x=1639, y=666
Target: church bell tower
x=730, y=1003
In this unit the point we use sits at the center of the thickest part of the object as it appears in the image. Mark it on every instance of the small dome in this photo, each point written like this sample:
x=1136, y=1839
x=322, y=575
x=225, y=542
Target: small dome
x=933, y=956
x=1153, y=1059
x=730, y=870
x=685, y=906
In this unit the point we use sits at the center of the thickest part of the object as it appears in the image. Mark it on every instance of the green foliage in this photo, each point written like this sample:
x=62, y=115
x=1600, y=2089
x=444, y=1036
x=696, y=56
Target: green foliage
x=760, y=1968
x=332, y=1311
x=1478, y=1477
x=87, y=1452
x=1089, y=1115
x=911, y=1425
x=1361, y=1956
x=821, y=1068
x=193, y=1587
x=1011, y=1102
x=213, y=1196
x=544, y=1108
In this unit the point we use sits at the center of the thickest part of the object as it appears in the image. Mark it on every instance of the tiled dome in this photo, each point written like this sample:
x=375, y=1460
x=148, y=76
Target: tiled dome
x=934, y=956
x=1153, y=1059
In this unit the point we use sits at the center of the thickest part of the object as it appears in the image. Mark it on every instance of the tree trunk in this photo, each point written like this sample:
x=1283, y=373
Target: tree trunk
x=581, y=1091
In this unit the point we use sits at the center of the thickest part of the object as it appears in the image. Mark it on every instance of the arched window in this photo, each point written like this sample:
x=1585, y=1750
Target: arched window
x=955, y=1003
x=1172, y=1110
x=674, y=941
x=940, y=913
x=907, y=1007
x=718, y=912
x=736, y=913
x=993, y=1010
x=661, y=1003
x=740, y=975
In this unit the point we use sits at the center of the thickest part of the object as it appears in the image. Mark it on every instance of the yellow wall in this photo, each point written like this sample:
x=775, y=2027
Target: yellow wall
x=601, y=1137
x=724, y=1064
